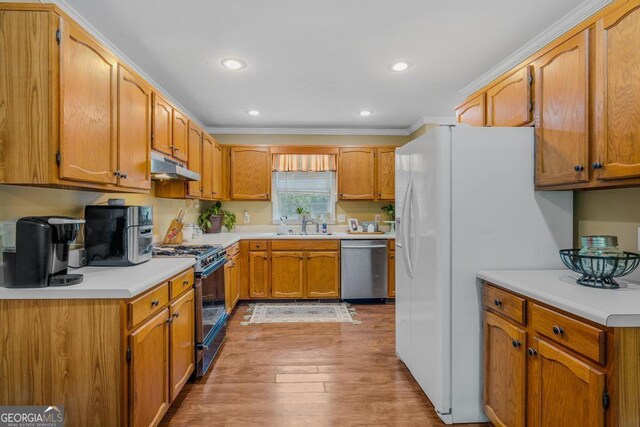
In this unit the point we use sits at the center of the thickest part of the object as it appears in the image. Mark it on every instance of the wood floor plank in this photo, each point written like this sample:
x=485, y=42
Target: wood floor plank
x=307, y=374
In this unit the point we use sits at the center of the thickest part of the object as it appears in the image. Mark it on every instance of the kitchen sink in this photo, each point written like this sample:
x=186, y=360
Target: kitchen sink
x=303, y=234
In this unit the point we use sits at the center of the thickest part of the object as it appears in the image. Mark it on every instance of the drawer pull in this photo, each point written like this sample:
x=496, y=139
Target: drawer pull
x=497, y=302
x=558, y=330
x=186, y=282
x=532, y=352
x=169, y=320
x=155, y=303
x=176, y=314
x=516, y=343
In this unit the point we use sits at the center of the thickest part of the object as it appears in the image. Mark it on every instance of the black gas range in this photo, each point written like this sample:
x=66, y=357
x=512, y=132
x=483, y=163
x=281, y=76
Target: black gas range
x=210, y=309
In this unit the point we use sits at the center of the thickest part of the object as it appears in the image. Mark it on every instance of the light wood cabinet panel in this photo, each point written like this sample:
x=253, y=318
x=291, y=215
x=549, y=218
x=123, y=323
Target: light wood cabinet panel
x=356, y=174
x=182, y=342
x=509, y=101
x=472, y=112
x=180, y=136
x=162, y=137
x=562, y=113
x=391, y=271
x=323, y=275
x=149, y=371
x=195, y=150
x=216, y=172
x=228, y=278
x=134, y=131
x=88, y=75
x=259, y=277
x=235, y=283
x=250, y=173
x=287, y=275
x=617, y=93
x=562, y=390
x=207, y=168
x=504, y=372
x=504, y=303
x=386, y=173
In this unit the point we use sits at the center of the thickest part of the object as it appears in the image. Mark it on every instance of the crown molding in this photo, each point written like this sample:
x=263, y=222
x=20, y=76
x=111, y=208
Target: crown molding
x=430, y=120
x=305, y=131
x=564, y=24
x=86, y=25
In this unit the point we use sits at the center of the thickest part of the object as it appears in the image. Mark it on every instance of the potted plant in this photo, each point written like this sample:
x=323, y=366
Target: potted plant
x=302, y=212
x=390, y=210
x=211, y=220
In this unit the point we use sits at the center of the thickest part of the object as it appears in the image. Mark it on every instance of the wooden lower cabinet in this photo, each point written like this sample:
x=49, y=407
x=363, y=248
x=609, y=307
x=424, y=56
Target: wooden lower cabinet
x=259, y=275
x=232, y=279
x=149, y=371
x=563, y=390
x=504, y=371
x=182, y=344
x=287, y=274
x=391, y=269
x=322, y=275
x=537, y=380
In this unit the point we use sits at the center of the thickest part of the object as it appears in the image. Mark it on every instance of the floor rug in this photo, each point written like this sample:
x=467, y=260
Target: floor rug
x=300, y=313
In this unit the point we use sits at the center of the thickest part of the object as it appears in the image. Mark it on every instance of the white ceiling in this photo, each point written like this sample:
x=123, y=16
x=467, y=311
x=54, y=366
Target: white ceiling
x=317, y=63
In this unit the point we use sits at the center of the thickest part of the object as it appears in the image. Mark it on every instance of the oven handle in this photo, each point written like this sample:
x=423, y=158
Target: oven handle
x=206, y=273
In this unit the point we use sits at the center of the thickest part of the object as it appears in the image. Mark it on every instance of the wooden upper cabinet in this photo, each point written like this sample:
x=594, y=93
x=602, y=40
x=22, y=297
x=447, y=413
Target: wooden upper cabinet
x=180, y=132
x=207, y=167
x=563, y=391
x=134, y=131
x=505, y=372
x=472, y=112
x=216, y=172
x=88, y=144
x=287, y=275
x=562, y=113
x=149, y=371
x=323, y=275
x=509, y=101
x=386, y=173
x=259, y=278
x=250, y=173
x=182, y=341
x=194, y=149
x=356, y=173
x=617, y=93
x=162, y=125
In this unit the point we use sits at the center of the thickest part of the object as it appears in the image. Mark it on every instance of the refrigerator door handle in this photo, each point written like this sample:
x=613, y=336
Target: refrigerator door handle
x=410, y=242
x=407, y=232
x=400, y=219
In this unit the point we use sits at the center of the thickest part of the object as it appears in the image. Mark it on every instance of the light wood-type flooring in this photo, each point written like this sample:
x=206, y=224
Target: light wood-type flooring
x=307, y=374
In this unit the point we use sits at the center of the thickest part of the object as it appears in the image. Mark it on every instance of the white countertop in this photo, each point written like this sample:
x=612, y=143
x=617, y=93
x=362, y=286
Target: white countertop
x=558, y=288
x=227, y=239
x=107, y=282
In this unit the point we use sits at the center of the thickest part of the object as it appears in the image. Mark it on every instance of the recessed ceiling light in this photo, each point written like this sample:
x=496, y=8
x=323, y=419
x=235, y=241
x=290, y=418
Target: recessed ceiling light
x=233, y=64
x=366, y=113
x=400, y=66
x=253, y=112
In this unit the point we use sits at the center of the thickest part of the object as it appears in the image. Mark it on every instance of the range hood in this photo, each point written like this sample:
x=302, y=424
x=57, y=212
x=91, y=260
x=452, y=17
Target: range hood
x=164, y=168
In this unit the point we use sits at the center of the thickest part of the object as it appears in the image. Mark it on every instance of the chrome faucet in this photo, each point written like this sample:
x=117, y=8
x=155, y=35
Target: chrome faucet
x=307, y=221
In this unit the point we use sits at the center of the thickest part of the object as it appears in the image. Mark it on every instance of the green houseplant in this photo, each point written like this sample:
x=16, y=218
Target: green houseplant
x=390, y=210
x=212, y=219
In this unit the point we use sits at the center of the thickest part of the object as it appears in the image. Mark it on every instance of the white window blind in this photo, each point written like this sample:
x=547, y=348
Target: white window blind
x=313, y=191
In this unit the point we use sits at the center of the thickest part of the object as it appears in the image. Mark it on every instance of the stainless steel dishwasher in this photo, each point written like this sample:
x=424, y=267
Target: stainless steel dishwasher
x=363, y=269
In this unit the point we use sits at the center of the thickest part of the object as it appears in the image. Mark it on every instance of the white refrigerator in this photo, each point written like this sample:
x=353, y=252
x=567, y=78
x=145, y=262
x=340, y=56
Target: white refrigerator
x=465, y=201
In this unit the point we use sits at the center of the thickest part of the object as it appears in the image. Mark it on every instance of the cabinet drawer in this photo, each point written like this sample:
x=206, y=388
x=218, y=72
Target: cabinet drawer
x=258, y=245
x=233, y=250
x=579, y=336
x=181, y=283
x=304, y=245
x=147, y=304
x=504, y=303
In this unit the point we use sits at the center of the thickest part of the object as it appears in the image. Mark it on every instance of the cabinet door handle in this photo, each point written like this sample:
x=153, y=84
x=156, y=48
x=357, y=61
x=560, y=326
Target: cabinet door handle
x=176, y=314
x=123, y=175
x=558, y=330
x=497, y=302
x=516, y=343
x=117, y=173
x=169, y=320
x=155, y=303
x=597, y=165
x=578, y=168
x=532, y=351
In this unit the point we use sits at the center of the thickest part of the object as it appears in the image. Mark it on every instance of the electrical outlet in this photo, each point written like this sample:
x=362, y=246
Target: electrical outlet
x=377, y=218
x=247, y=219
x=342, y=218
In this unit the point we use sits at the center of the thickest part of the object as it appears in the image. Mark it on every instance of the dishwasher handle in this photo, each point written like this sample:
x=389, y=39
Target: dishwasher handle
x=365, y=247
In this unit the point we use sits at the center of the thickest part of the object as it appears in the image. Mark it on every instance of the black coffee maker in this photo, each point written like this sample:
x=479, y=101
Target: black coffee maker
x=40, y=255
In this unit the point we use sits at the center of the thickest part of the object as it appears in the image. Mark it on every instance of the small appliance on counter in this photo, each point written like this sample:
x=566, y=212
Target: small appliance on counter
x=36, y=251
x=118, y=235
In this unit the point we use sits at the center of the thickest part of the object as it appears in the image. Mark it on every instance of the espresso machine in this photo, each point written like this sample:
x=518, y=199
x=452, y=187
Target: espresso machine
x=39, y=255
